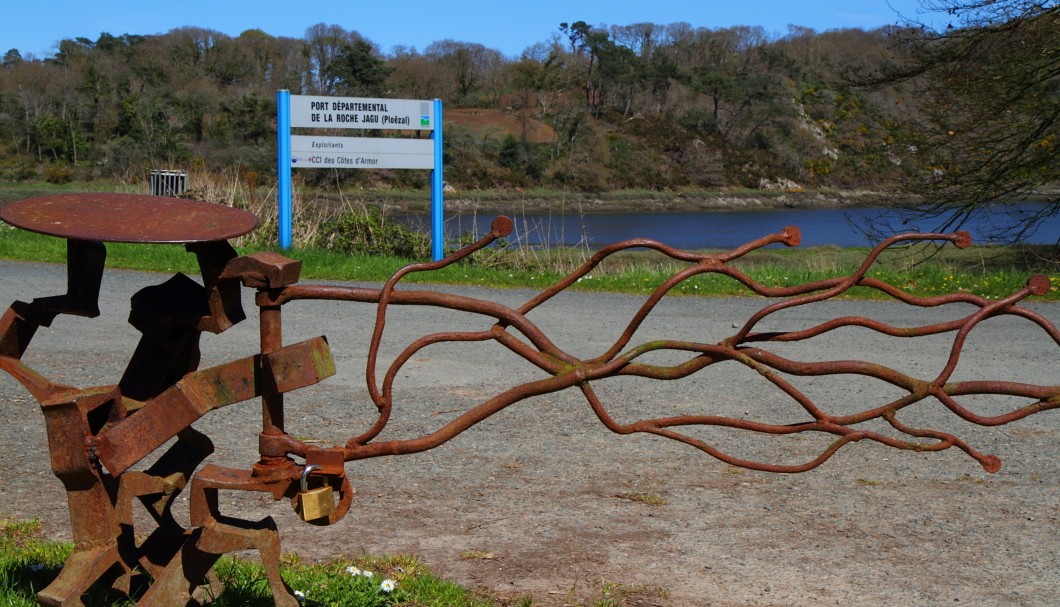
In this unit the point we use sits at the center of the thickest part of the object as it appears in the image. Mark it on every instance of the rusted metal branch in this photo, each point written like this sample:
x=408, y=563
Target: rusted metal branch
x=568, y=371
x=97, y=434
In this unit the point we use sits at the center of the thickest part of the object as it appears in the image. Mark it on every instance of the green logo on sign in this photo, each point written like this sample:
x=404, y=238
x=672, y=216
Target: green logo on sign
x=425, y=120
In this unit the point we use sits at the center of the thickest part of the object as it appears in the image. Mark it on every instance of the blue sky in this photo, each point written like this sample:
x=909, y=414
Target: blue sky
x=35, y=27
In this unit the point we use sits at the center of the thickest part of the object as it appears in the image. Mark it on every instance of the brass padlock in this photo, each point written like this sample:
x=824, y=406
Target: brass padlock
x=316, y=503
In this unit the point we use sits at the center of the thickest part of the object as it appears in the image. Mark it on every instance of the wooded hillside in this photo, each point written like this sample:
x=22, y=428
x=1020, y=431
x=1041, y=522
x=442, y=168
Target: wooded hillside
x=592, y=109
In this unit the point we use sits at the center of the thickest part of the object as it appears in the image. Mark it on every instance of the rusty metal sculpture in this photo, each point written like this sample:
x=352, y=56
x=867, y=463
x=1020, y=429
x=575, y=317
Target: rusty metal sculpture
x=96, y=435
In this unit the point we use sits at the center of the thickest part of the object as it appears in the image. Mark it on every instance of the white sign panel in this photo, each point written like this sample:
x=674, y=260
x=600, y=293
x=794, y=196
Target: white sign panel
x=314, y=152
x=361, y=113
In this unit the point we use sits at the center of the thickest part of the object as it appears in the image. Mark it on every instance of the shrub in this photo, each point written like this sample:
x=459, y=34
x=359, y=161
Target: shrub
x=367, y=231
x=57, y=173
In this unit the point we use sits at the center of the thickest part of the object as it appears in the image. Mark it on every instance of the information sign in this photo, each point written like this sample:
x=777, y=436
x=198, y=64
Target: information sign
x=361, y=113
x=328, y=152
x=312, y=152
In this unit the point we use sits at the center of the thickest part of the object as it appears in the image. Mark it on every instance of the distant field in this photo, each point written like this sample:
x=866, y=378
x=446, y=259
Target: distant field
x=11, y=194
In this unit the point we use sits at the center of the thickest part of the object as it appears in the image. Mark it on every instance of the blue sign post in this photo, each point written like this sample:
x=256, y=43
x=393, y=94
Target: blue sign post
x=316, y=152
x=437, y=189
x=283, y=166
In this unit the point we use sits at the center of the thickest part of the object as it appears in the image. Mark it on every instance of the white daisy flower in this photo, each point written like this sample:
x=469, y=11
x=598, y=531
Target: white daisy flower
x=388, y=585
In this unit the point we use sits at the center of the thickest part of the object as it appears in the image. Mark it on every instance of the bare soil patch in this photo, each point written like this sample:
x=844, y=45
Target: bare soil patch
x=500, y=123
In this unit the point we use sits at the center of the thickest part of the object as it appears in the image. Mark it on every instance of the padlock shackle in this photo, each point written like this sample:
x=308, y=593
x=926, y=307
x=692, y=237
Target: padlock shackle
x=341, y=508
x=303, y=481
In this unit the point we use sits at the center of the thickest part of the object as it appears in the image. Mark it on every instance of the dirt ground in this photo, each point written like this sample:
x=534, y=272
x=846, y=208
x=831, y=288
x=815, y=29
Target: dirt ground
x=495, y=122
x=542, y=501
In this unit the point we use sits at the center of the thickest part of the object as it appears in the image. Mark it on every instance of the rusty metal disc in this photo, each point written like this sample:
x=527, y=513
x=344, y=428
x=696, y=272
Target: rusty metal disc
x=107, y=217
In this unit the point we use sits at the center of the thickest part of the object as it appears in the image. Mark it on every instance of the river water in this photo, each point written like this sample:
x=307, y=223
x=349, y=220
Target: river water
x=726, y=229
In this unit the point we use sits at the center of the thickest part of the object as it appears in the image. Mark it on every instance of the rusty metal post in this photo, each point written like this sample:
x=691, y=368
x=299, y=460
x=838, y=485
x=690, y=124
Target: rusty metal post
x=271, y=340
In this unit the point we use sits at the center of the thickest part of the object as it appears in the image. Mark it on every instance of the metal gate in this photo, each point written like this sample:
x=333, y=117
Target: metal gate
x=168, y=183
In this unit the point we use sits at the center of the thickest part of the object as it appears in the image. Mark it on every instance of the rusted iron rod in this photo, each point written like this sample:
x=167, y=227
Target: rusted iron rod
x=568, y=371
x=97, y=434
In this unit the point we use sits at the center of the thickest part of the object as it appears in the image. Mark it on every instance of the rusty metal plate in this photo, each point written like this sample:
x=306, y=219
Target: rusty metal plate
x=107, y=217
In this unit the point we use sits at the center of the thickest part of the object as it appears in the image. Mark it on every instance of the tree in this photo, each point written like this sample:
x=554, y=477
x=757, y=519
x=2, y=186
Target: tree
x=538, y=76
x=324, y=44
x=466, y=66
x=584, y=38
x=986, y=129
x=357, y=71
x=12, y=57
x=413, y=76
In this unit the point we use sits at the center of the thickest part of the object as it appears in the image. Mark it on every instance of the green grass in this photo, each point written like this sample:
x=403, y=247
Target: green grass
x=29, y=563
x=356, y=582
x=991, y=272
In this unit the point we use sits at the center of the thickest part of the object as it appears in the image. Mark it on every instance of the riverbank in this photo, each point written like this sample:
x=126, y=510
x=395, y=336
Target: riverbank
x=538, y=201
x=988, y=272
x=648, y=201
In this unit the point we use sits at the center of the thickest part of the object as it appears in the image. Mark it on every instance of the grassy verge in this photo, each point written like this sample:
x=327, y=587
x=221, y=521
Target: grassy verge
x=986, y=271
x=28, y=564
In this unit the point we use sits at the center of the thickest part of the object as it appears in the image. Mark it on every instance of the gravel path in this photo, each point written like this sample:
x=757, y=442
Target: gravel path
x=538, y=489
